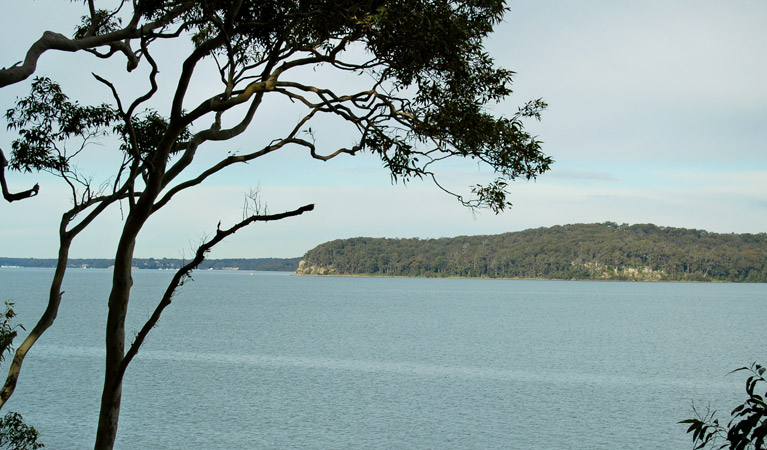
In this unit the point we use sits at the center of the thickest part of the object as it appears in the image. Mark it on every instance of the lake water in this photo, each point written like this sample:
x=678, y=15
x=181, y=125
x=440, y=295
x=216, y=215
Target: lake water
x=269, y=360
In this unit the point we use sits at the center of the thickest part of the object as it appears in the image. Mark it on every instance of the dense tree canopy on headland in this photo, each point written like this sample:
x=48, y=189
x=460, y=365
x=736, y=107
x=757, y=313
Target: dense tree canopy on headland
x=605, y=251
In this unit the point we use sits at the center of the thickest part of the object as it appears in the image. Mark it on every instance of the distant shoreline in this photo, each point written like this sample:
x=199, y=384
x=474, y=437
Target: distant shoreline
x=518, y=278
x=294, y=273
x=259, y=264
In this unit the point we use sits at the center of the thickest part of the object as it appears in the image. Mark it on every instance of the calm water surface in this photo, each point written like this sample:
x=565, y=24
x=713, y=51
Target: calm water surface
x=268, y=360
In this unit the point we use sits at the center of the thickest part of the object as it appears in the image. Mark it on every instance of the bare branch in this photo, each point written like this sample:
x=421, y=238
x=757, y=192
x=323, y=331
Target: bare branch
x=12, y=197
x=152, y=80
x=473, y=205
x=185, y=272
x=328, y=157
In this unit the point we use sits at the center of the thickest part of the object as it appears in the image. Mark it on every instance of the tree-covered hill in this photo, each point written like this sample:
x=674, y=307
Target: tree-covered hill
x=606, y=251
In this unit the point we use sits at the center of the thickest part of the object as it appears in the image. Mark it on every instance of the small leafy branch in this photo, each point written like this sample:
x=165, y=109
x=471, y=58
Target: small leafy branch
x=747, y=429
x=7, y=329
x=14, y=433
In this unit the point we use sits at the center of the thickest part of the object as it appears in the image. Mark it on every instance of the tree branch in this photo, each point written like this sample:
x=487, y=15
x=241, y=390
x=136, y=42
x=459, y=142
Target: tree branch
x=226, y=162
x=57, y=41
x=11, y=197
x=185, y=272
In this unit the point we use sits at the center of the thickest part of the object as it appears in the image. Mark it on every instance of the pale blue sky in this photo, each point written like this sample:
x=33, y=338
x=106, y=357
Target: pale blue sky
x=658, y=113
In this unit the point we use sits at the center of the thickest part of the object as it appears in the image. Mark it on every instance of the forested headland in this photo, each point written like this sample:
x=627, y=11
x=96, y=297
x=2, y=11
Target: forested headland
x=605, y=251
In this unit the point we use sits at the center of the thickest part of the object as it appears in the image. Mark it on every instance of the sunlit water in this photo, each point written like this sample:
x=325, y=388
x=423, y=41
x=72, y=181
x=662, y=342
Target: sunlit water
x=268, y=360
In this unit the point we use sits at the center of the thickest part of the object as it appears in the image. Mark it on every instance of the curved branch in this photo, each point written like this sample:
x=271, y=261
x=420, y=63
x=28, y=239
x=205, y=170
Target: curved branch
x=57, y=41
x=8, y=195
x=152, y=80
x=473, y=205
x=313, y=150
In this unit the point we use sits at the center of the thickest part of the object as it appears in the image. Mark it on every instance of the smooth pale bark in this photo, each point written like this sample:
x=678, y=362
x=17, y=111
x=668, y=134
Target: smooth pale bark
x=117, y=40
x=119, y=298
x=45, y=321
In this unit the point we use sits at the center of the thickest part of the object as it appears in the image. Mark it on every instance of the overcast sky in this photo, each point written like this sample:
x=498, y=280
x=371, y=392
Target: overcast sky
x=657, y=113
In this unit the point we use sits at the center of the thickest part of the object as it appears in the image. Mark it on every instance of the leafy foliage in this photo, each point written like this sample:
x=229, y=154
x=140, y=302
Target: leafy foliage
x=14, y=433
x=747, y=428
x=143, y=132
x=434, y=81
x=44, y=120
x=102, y=22
x=582, y=251
x=7, y=330
x=433, y=76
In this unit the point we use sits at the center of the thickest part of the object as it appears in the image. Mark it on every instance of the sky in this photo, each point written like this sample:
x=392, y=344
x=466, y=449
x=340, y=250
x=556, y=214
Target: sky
x=657, y=114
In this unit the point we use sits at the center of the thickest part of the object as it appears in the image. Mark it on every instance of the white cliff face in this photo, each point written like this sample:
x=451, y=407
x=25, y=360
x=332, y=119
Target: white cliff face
x=623, y=273
x=305, y=269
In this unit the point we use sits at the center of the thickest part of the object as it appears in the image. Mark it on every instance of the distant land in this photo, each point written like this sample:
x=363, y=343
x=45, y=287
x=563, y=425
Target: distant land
x=605, y=251
x=265, y=264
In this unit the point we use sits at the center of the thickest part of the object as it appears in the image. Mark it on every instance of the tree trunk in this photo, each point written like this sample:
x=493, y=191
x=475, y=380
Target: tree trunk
x=45, y=321
x=115, y=332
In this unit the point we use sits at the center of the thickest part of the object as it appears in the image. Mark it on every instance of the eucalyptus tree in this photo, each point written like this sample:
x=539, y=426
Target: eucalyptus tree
x=429, y=83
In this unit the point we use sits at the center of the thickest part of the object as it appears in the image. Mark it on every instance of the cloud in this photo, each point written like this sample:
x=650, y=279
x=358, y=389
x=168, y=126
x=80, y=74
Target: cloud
x=587, y=177
x=658, y=52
